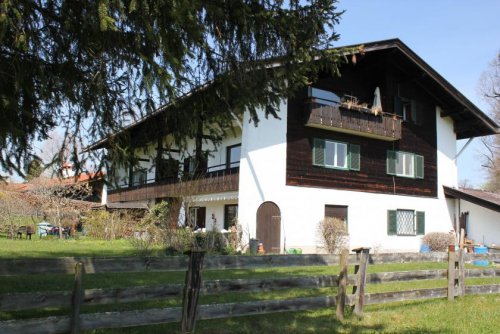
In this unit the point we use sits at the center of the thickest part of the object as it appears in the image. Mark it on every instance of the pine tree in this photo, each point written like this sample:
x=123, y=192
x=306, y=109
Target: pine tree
x=95, y=66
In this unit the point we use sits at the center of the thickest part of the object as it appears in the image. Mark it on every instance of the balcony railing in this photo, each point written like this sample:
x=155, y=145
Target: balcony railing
x=215, y=180
x=357, y=120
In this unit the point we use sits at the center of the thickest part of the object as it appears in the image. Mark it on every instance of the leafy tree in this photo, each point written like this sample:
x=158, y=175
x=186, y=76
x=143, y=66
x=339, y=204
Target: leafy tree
x=490, y=90
x=92, y=67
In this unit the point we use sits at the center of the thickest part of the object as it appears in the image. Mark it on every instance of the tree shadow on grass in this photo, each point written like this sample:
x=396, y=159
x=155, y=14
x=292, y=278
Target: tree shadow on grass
x=320, y=321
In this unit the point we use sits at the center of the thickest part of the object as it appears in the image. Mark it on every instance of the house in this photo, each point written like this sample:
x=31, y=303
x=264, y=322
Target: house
x=479, y=213
x=374, y=147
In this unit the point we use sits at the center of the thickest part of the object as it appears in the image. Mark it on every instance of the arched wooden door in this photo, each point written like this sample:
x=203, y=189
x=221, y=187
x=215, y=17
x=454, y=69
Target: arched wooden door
x=269, y=226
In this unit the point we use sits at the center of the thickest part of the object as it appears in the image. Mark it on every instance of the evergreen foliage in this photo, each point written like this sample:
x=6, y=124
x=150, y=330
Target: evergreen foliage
x=93, y=67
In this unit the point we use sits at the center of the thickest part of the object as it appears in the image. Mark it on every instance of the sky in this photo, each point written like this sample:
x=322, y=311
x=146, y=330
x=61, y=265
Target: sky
x=457, y=38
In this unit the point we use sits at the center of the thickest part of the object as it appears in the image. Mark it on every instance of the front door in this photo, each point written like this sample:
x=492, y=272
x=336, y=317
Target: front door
x=269, y=226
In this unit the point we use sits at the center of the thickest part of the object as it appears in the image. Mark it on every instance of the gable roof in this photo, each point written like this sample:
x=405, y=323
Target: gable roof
x=469, y=120
x=482, y=198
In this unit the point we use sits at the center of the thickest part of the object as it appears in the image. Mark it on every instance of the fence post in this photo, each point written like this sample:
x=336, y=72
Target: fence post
x=191, y=291
x=451, y=272
x=359, y=299
x=76, y=299
x=461, y=273
x=342, y=284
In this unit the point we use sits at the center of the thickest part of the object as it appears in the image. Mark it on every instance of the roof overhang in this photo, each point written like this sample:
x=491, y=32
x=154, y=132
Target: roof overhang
x=482, y=198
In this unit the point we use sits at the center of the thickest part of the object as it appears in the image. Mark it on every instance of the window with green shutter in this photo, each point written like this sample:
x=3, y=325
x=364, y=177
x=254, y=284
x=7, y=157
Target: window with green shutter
x=404, y=222
x=336, y=155
x=405, y=164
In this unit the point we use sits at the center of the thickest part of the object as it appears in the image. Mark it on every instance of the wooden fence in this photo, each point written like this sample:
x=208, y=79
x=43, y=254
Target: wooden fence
x=193, y=287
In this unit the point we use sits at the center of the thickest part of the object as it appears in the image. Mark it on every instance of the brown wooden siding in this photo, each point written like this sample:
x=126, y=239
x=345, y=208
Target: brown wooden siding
x=214, y=184
x=372, y=177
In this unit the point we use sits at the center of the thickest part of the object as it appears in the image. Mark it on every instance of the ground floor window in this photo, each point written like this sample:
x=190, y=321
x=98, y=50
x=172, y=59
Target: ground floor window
x=230, y=215
x=336, y=211
x=197, y=217
x=405, y=222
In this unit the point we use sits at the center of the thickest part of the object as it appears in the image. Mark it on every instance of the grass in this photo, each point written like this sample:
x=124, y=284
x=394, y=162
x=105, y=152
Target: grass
x=471, y=314
x=55, y=247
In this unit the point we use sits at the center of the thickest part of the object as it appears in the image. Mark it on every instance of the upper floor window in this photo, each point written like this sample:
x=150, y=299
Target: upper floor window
x=409, y=109
x=139, y=176
x=405, y=222
x=324, y=96
x=233, y=155
x=405, y=164
x=332, y=154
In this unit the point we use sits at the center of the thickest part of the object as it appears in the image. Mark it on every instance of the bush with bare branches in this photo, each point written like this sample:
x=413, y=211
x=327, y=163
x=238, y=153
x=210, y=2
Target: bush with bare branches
x=438, y=241
x=332, y=234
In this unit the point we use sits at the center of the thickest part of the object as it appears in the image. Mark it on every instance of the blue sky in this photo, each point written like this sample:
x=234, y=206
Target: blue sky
x=457, y=38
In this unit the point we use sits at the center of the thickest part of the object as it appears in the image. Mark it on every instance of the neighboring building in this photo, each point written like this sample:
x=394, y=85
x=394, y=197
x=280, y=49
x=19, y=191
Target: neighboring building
x=479, y=213
x=373, y=147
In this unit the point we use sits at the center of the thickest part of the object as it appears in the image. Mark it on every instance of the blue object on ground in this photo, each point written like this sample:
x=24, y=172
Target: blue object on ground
x=425, y=248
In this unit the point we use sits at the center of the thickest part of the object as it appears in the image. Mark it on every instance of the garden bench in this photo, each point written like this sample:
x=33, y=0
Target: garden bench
x=28, y=230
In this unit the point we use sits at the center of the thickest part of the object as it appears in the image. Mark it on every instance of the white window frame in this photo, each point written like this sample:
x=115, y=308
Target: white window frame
x=401, y=161
x=335, y=154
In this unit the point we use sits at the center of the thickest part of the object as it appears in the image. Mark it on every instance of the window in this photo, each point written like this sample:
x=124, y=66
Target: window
x=233, y=154
x=230, y=215
x=405, y=222
x=139, y=176
x=331, y=154
x=409, y=109
x=197, y=217
x=405, y=164
x=336, y=211
x=323, y=96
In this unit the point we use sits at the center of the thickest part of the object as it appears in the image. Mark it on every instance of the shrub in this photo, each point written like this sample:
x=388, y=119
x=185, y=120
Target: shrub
x=332, y=235
x=438, y=241
x=106, y=225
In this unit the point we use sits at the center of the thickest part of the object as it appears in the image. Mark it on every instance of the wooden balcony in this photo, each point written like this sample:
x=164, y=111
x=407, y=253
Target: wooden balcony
x=214, y=182
x=356, y=121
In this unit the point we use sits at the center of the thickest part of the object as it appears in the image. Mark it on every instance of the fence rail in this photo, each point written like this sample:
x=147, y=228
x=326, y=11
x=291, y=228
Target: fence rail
x=77, y=322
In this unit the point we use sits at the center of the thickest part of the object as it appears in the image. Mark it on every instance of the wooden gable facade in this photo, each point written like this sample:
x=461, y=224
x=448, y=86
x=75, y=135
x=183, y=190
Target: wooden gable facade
x=412, y=130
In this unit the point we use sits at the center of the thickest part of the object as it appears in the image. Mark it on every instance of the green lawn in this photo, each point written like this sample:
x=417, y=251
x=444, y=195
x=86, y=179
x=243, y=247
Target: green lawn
x=55, y=247
x=471, y=314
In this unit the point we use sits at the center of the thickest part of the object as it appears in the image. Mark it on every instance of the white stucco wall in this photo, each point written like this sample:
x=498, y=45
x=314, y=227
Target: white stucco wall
x=484, y=224
x=446, y=153
x=263, y=178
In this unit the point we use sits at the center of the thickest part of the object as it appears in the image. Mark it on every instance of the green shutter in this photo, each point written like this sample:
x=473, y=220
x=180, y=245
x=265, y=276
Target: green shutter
x=354, y=157
x=420, y=223
x=419, y=166
x=414, y=111
x=392, y=222
x=318, y=152
x=391, y=162
x=398, y=110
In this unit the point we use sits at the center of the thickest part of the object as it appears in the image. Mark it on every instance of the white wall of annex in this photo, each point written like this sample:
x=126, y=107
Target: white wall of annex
x=484, y=224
